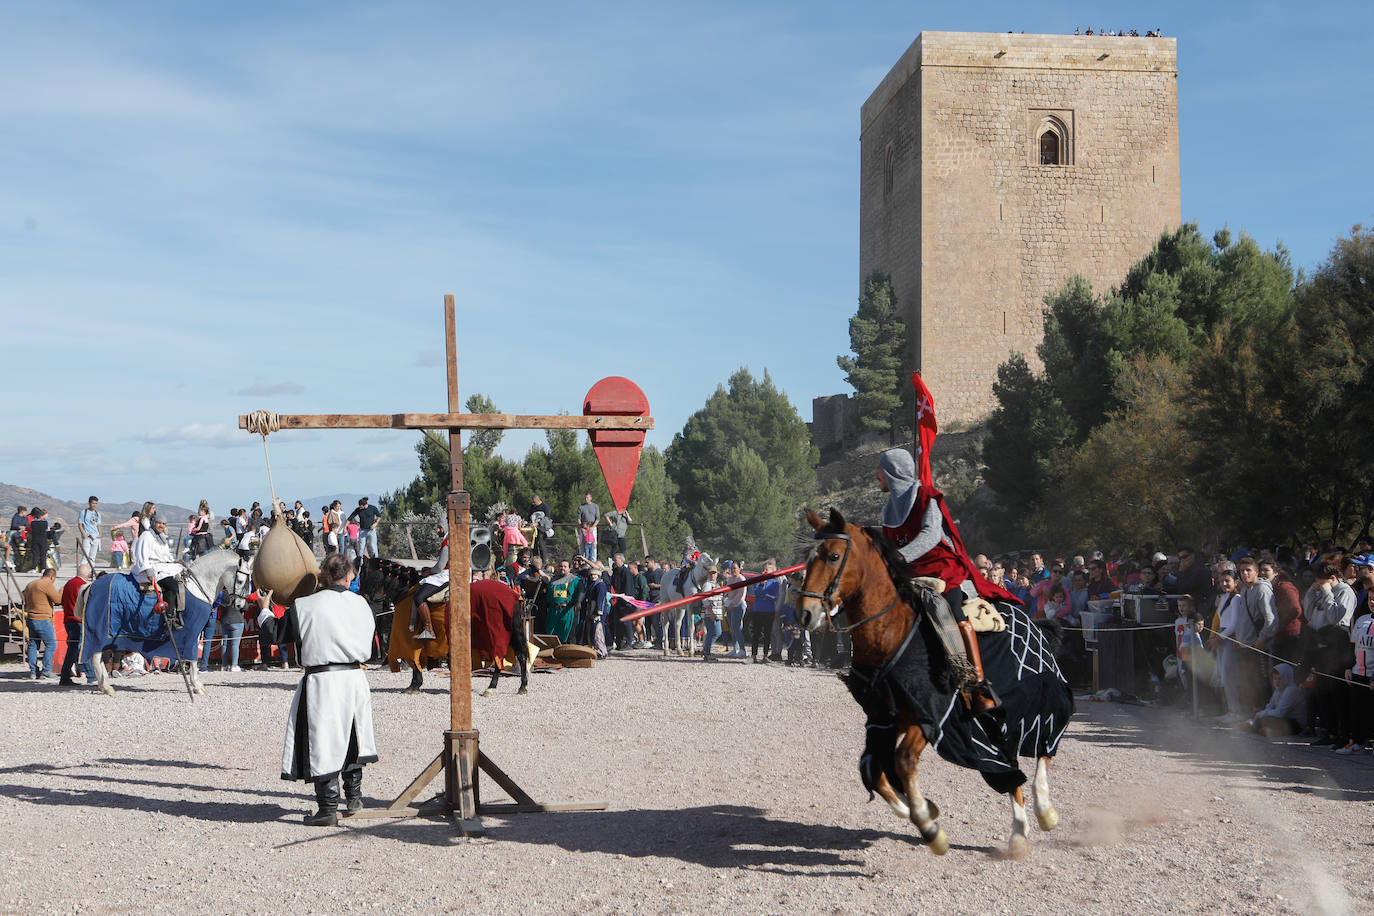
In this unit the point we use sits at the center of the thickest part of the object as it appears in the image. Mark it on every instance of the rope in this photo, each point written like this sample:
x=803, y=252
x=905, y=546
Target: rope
x=1311, y=671
x=1244, y=645
x=265, y=422
x=1149, y=626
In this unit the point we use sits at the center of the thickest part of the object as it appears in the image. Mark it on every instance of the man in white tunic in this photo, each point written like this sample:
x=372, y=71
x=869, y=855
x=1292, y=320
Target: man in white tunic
x=329, y=730
x=153, y=561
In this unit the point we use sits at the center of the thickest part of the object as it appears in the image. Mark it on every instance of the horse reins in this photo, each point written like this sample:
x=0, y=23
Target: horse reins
x=826, y=598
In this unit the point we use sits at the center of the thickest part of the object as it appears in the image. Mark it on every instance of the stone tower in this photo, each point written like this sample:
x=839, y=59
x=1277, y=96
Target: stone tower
x=994, y=167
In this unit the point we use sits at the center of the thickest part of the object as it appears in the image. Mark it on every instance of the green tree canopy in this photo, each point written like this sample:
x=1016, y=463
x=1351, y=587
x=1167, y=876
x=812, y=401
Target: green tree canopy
x=1188, y=301
x=743, y=426
x=1026, y=428
x=1124, y=484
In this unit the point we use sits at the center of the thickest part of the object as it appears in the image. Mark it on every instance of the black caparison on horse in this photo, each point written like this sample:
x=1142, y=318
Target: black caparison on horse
x=901, y=677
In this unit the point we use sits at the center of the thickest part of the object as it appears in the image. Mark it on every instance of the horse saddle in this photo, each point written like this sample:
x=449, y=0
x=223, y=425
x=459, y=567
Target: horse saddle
x=147, y=588
x=980, y=613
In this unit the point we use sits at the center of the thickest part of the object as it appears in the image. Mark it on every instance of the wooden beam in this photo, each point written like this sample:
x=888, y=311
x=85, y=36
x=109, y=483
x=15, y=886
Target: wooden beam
x=520, y=421
x=418, y=784
x=500, y=808
x=454, y=421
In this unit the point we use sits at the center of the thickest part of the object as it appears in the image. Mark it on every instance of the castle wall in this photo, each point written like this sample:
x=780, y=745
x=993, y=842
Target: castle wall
x=973, y=229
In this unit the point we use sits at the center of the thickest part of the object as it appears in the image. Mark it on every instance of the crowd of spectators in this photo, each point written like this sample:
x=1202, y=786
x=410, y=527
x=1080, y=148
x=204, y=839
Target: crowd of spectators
x=585, y=601
x=1278, y=642
x=580, y=597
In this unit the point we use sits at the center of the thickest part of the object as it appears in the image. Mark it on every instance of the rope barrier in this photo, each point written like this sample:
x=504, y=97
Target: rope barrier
x=1245, y=645
x=1150, y=626
x=1278, y=658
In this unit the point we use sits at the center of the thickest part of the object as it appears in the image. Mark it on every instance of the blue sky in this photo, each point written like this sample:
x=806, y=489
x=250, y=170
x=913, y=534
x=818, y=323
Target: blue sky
x=211, y=209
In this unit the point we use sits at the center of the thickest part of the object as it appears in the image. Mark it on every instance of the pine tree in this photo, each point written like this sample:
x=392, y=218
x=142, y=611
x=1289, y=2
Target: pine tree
x=877, y=337
x=743, y=428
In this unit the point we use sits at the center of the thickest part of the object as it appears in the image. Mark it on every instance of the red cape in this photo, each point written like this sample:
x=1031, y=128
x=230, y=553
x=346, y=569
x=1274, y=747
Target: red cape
x=493, y=610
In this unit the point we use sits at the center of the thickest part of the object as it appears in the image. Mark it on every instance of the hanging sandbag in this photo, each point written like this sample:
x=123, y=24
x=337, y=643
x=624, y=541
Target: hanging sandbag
x=285, y=564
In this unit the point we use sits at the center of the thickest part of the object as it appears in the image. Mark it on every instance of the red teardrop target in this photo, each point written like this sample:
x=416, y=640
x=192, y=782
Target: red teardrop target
x=617, y=450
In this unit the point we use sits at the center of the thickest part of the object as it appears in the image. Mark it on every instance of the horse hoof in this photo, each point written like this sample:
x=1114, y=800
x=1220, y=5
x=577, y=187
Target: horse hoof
x=411, y=690
x=489, y=692
x=939, y=845
x=1049, y=818
x=522, y=691
x=198, y=691
x=108, y=691
x=1018, y=848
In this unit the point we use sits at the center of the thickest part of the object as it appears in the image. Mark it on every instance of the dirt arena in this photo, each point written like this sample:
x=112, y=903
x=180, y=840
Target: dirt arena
x=732, y=787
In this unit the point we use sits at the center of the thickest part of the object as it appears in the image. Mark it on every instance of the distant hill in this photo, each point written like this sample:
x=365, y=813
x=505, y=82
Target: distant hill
x=111, y=513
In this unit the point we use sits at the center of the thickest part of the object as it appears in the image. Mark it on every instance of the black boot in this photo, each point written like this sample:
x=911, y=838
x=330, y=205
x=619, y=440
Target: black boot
x=353, y=789
x=327, y=797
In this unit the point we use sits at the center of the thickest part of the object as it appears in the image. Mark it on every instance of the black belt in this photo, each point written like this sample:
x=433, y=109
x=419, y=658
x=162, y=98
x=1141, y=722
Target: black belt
x=336, y=666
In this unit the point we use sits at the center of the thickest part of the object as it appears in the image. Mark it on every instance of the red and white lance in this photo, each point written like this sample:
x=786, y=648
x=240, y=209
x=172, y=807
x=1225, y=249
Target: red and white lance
x=743, y=583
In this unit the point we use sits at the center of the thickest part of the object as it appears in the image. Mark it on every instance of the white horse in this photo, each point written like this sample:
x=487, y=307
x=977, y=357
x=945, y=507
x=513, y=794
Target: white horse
x=682, y=583
x=215, y=572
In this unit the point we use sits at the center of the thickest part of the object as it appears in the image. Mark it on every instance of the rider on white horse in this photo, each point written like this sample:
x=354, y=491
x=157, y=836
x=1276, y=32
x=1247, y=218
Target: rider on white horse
x=154, y=562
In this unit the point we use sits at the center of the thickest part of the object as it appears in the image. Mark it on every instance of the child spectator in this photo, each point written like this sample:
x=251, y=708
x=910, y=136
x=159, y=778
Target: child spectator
x=1286, y=713
x=711, y=609
x=1195, y=665
x=119, y=550
x=512, y=538
x=1048, y=590
x=587, y=541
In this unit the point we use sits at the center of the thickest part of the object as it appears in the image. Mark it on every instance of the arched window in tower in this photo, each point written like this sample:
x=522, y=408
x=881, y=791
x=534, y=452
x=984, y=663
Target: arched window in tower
x=889, y=161
x=1049, y=148
x=1053, y=138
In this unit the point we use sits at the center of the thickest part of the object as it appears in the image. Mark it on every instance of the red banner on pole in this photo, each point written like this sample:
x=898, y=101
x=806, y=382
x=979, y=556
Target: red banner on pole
x=926, y=429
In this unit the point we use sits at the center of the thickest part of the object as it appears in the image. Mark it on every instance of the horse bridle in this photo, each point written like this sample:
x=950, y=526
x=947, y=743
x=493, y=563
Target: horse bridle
x=826, y=597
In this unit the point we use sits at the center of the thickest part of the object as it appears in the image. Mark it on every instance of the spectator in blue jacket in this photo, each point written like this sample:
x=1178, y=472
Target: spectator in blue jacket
x=760, y=618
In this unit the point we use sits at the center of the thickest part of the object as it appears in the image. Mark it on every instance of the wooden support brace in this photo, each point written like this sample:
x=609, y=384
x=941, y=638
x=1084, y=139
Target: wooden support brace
x=419, y=783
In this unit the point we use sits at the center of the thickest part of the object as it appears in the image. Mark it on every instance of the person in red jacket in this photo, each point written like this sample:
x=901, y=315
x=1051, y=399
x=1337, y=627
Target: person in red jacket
x=72, y=623
x=1288, y=610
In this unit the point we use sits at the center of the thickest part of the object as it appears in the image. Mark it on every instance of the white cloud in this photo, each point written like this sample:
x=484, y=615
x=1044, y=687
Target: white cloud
x=192, y=435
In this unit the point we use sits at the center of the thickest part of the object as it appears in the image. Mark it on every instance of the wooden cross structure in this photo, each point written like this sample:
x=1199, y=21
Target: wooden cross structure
x=461, y=758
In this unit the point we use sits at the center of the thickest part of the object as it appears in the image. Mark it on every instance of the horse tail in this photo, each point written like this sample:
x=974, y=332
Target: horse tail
x=517, y=631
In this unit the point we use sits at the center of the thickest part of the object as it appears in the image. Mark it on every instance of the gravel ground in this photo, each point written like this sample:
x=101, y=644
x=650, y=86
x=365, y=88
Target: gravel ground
x=731, y=786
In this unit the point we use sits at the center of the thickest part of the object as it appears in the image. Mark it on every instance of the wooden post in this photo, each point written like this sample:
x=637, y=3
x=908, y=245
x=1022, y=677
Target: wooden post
x=460, y=756
x=461, y=738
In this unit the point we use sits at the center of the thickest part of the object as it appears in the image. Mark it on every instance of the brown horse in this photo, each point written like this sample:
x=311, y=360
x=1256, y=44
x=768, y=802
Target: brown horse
x=902, y=679
x=394, y=585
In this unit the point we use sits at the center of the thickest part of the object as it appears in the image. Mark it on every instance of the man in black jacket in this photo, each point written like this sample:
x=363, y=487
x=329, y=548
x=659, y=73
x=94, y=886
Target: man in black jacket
x=621, y=584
